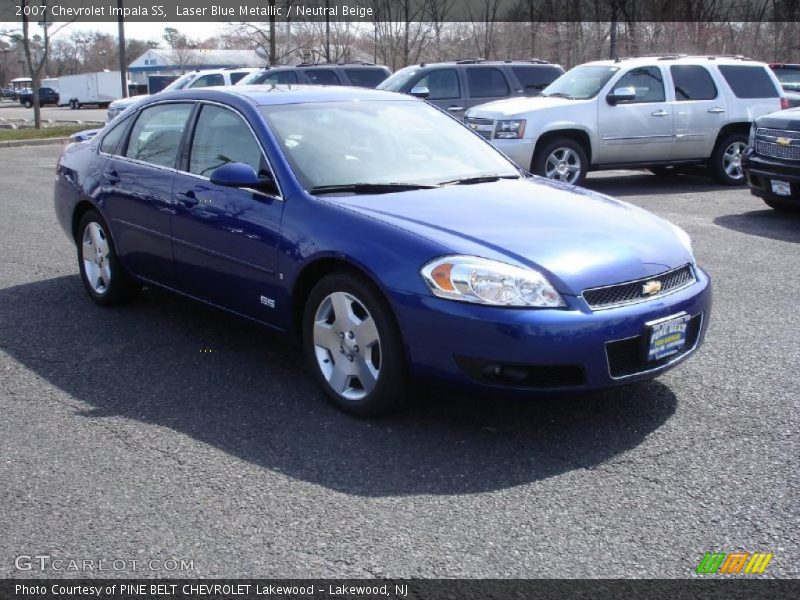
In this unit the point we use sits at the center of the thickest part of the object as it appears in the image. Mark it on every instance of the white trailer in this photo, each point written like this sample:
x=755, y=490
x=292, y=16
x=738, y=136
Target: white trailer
x=99, y=89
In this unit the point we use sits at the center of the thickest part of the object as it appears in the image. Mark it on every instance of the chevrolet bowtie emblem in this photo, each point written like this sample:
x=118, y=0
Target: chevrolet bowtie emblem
x=782, y=141
x=651, y=287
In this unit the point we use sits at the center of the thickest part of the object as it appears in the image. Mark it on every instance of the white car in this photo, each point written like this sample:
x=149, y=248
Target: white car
x=195, y=79
x=660, y=112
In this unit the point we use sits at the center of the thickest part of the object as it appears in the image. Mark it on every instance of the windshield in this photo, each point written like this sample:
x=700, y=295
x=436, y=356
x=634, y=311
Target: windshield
x=580, y=83
x=380, y=142
x=396, y=82
x=179, y=83
x=788, y=76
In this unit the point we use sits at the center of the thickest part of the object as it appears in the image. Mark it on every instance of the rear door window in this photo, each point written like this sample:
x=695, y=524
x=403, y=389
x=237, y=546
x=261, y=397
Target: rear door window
x=692, y=82
x=237, y=76
x=487, y=82
x=535, y=78
x=281, y=78
x=111, y=140
x=749, y=82
x=156, y=135
x=322, y=76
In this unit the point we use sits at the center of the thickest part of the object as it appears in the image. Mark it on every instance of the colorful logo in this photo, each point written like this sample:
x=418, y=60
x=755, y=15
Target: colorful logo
x=734, y=563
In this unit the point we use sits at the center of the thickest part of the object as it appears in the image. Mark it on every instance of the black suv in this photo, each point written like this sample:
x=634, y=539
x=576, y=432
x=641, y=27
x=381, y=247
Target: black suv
x=46, y=96
x=359, y=74
x=772, y=162
x=460, y=85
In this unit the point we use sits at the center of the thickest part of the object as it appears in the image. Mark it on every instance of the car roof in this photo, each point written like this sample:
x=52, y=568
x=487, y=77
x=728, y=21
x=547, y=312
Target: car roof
x=670, y=59
x=265, y=95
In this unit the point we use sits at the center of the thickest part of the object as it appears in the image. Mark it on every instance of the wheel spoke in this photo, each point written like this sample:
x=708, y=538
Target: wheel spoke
x=367, y=377
x=88, y=250
x=342, y=310
x=366, y=333
x=325, y=336
x=339, y=378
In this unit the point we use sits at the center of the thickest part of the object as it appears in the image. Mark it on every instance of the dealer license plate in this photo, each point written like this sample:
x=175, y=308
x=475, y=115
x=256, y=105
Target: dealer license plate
x=781, y=188
x=667, y=336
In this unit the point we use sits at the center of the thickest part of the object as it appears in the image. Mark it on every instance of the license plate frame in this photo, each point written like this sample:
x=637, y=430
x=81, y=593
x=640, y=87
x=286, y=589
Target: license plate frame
x=780, y=188
x=666, y=337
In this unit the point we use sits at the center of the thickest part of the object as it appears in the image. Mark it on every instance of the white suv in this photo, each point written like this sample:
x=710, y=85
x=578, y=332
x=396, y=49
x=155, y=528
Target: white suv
x=195, y=79
x=659, y=112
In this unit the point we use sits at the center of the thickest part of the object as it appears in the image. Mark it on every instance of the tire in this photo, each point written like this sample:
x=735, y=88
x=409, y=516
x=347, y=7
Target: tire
x=561, y=159
x=361, y=366
x=27, y=104
x=726, y=159
x=101, y=272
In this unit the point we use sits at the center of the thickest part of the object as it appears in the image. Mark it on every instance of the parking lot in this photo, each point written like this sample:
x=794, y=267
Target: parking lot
x=14, y=111
x=167, y=430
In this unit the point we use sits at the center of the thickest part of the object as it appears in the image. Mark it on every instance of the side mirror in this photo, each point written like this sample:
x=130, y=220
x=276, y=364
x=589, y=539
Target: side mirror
x=238, y=175
x=623, y=94
x=420, y=91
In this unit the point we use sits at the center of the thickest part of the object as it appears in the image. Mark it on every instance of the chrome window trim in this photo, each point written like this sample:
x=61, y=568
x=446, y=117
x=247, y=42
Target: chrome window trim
x=676, y=359
x=642, y=280
x=258, y=141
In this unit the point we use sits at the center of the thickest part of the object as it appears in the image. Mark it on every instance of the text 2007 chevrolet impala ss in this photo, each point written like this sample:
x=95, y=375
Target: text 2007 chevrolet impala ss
x=394, y=242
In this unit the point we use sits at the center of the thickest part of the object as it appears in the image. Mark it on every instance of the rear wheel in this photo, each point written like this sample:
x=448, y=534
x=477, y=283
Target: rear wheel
x=726, y=160
x=354, y=346
x=27, y=104
x=101, y=272
x=562, y=159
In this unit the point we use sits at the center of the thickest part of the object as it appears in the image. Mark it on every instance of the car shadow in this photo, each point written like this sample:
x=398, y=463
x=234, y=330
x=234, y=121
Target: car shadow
x=171, y=362
x=769, y=223
x=644, y=183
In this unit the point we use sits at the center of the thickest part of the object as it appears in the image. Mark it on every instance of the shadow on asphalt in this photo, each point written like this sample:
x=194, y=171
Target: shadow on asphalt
x=769, y=223
x=168, y=361
x=646, y=184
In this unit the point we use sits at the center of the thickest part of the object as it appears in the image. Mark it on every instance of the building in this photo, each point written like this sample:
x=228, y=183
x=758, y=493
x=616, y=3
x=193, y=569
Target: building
x=177, y=61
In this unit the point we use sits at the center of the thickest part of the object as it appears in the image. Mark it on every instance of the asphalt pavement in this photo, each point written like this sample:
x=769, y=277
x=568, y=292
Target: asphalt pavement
x=166, y=430
x=13, y=111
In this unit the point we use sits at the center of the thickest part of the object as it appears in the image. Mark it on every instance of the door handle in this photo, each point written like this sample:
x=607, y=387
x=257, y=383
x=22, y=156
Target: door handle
x=455, y=108
x=659, y=113
x=188, y=199
x=111, y=177
x=716, y=109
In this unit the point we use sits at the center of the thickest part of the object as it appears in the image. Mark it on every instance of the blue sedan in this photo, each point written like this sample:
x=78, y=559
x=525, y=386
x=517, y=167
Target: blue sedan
x=395, y=244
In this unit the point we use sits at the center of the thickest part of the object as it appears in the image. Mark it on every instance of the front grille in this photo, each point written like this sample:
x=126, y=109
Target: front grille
x=767, y=143
x=634, y=291
x=483, y=127
x=777, y=151
x=521, y=375
x=628, y=357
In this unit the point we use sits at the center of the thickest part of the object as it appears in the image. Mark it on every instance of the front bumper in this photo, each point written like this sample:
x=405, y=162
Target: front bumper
x=519, y=151
x=543, y=350
x=760, y=170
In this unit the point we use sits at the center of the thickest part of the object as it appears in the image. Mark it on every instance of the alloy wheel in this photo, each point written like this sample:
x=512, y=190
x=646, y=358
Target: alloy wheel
x=95, y=255
x=347, y=345
x=732, y=160
x=563, y=164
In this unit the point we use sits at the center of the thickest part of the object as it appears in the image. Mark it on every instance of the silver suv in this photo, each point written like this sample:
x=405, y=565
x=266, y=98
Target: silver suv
x=660, y=112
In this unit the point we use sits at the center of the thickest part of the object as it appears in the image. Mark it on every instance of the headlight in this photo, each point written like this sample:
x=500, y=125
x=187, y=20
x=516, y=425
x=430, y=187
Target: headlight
x=484, y=281
x=751, y=141
x=684, y=238
x=509, y=130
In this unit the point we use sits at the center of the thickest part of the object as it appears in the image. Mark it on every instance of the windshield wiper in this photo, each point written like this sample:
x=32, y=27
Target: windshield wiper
x=370, y=188
x=558, y=95
x=478, y=179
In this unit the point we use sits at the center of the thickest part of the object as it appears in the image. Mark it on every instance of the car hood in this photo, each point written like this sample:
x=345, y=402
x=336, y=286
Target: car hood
x=578, y=238
x=519, y=106
x=782, y=119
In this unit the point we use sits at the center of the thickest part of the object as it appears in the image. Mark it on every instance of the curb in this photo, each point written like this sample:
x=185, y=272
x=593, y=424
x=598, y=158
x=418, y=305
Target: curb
x=37, y=142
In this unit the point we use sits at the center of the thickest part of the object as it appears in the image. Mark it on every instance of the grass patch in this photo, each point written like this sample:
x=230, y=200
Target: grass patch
x=44, y=133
